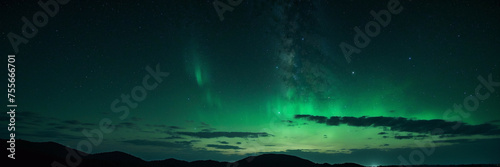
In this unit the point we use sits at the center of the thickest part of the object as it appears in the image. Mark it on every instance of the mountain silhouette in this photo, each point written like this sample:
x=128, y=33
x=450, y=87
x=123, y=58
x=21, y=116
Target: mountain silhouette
x=45, y=153
x=168, y=162
x=112, y=159
x=271, y=160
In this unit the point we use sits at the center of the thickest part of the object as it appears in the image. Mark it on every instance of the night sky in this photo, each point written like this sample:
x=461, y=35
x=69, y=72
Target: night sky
x=268, y=77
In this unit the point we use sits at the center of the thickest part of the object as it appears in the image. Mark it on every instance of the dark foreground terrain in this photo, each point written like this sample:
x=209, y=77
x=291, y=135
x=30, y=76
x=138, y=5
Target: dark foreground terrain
x=43, y=154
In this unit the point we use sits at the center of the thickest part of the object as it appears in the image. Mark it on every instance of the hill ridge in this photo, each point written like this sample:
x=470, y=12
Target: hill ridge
x=40, y=153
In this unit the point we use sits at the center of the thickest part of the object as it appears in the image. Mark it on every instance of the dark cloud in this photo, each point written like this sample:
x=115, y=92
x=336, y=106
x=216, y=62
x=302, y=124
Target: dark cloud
x=457, y=153
x=73, y=122
x=223, y=142
x=404, y=137
x=382, y=133
x=454, y=141
x=225, y=134
x=175, y=127
x=157, y=126
x=447, y=135
x=420, y=137
x=60, y=127
x=130, y=125
x=71, y=125
x=238, y=142
x=187, y=142
x=407, y=125
x=76, y=123
x=28, y=118
x=225, y=147
x=49, y=134
x=203, y=124
x=179, y=144
x=165, y=127
x=495, y=121
x=208, y=130
x=172, y=137
x=289, y=123
x=32, y=115
x=76, y=129
x=52, y=124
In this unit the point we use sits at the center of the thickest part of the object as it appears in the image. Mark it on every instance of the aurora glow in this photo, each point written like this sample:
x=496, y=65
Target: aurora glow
x=269, y=78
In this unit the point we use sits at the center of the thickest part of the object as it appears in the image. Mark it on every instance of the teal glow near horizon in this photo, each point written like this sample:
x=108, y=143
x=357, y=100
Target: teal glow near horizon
x=270, y=78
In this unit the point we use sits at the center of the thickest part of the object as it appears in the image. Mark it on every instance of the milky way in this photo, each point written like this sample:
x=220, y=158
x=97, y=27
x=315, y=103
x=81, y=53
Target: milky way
x=269, y=78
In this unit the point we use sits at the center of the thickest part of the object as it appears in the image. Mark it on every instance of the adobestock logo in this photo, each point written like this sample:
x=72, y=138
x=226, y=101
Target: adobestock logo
x=372, y=29
x=95, y=136
x=470, y=103
x=221, y=7
x=29, y=29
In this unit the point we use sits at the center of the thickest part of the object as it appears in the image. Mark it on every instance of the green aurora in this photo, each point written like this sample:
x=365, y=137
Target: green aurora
x=270, y=78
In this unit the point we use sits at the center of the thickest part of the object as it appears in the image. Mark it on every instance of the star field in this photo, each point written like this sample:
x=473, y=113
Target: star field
x=269, y=78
